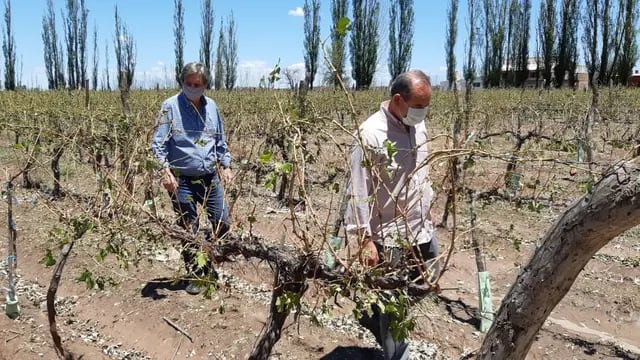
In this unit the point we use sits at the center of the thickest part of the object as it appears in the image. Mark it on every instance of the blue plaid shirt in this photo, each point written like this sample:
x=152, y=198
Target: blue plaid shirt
x=188, y=140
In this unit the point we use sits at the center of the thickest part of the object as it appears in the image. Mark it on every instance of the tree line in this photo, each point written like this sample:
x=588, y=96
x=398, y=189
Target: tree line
x=604, y=30
x=498, y=34
x=501, y=34
x=65, y=57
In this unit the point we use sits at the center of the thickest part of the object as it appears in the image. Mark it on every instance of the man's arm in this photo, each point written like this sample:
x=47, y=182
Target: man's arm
x=222, y=151
x=159, y=148
x=161, y=136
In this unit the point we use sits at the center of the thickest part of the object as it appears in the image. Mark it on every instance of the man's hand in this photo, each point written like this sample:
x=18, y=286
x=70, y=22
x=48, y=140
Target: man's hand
x=432, y=216
x=369, y=253
x=169, y=181
x=227, y=176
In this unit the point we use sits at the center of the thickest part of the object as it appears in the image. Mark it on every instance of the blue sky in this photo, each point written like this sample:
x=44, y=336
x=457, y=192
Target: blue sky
x=267, y=31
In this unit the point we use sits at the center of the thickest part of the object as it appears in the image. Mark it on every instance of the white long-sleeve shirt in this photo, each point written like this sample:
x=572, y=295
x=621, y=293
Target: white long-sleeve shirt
x=390, y=194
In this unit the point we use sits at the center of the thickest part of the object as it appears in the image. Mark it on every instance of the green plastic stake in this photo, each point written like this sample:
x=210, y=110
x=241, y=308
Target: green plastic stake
x=486, y=306
x=329, y=260
x=12, y=308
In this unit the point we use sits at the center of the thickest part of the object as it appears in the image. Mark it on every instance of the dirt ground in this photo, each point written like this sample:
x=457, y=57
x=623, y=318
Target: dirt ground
x=598, y=319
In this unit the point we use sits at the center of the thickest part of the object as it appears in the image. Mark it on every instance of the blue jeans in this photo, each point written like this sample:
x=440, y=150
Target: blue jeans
x=207, y=191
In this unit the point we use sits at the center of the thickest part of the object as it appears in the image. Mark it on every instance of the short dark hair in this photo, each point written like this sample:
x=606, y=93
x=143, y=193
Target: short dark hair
x=194, y=68
x=403, y=83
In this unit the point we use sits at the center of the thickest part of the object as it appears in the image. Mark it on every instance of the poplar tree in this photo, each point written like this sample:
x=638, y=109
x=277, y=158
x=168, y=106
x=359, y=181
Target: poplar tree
x=607, y=41
x=178, y=38
x=206, y=35
x=60, y=65
x=629, y=51
x=511, y=46
x=452, y=32
x=81, y=69
x=364, y=41
x=106, y=82
x=76, y=42
x=94, y=73
x=337, y=51
x=9, y=49
x=591, y=27
x=494, y=18
x=125, y=54
x=566, y=48
x=522, y=29
x=311, y=40
x=547, y=36
x=400, y=36
x=616, y=43
x=230, y=55
x=218, y=79
x=572, y=59
x=53, y=55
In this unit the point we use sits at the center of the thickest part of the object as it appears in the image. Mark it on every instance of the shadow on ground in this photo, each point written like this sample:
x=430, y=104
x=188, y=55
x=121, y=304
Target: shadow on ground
x=354, y=353
x=462, y=312
x=150, y=290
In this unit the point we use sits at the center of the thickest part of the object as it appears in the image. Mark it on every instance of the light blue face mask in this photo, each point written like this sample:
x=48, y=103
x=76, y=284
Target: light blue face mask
x=193, y=93
x=415, y=116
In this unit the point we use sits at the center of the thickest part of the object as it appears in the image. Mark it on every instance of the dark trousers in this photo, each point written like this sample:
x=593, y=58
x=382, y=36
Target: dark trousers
x=207, y=191
x=378, y=323
x=420, y=259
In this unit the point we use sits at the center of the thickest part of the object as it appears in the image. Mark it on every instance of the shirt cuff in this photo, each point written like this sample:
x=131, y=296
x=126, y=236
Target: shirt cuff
x=366, y=230
x=162, y=164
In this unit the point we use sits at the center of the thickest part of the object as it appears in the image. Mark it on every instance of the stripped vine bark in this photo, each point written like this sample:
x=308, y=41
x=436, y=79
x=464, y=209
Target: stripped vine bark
x=292, y=284
x=584, y=141
x=51, y=298
x=80, y=227
x=55, y=169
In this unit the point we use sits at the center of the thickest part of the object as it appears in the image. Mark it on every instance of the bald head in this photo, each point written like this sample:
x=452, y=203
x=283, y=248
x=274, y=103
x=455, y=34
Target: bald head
x=405, y=83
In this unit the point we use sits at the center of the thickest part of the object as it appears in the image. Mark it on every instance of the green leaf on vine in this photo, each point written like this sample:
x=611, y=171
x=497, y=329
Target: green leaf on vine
x=265, y=158
x=87, y=278
x=343, y=26
x=201, y=259
x=48, y=260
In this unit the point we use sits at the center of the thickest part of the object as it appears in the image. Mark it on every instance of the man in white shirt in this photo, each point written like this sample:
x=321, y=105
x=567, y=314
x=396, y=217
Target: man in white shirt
x=390, y=194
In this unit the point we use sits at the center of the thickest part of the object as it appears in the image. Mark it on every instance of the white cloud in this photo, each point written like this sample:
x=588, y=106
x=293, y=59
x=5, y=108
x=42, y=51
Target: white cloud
x=252, y=64
x=159, y=75
x=295, y=74
x=296, y=12
x=250, y=72
x=296, y=67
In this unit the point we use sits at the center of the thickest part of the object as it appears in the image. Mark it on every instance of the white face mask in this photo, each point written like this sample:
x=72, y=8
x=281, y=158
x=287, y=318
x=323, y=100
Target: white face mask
x=193, y=93
x=415, y=116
